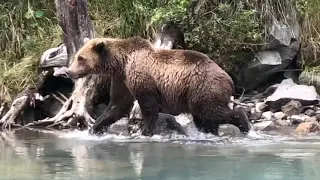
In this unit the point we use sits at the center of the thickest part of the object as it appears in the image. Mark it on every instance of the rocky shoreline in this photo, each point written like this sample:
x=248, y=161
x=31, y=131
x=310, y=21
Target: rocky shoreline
x=283, y=105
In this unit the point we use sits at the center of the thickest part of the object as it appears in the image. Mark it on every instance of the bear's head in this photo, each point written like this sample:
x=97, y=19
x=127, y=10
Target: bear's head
x=90, y=59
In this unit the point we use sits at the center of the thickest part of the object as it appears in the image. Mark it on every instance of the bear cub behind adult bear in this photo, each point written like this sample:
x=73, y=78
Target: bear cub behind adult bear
x=170, y=81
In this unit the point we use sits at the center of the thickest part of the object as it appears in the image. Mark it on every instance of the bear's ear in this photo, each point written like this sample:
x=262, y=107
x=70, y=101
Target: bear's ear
x=85, y=40
x=99, y=47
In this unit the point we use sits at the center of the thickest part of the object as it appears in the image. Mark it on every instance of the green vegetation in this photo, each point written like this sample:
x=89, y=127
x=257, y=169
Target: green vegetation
x=229, y=30
x=27, y=29
x=310, y=18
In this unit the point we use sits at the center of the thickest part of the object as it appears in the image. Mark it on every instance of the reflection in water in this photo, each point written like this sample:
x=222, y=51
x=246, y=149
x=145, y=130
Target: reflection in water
x=31, y=154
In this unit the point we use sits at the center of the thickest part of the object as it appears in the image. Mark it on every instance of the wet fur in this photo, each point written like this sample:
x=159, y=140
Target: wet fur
x=170, y=81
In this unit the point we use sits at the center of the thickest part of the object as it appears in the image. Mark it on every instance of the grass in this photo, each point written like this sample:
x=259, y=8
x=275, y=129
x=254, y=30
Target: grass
x=28, y=27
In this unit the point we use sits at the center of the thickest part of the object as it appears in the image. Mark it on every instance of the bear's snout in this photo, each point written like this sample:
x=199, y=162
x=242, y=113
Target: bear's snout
x=74, y=75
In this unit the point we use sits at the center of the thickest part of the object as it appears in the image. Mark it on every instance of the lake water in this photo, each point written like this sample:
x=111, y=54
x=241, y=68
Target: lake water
x=44, y=154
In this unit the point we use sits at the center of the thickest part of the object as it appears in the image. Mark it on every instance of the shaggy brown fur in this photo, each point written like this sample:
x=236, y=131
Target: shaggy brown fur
x=179, y=81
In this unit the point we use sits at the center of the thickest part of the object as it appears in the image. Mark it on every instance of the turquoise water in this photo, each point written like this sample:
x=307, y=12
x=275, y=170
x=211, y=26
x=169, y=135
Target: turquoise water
x=35, y=154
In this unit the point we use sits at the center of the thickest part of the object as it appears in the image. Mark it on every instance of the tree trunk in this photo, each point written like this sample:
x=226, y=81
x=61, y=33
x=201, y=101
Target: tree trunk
x=77, y=110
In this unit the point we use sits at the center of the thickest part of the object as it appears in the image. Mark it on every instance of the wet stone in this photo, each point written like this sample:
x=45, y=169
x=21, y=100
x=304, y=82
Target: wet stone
x=308, y=127
x=318, y=117
x=264, y=126
x=311, y=119
x=292, y=108
x=268, y=116
x=255, y=116
x=261, y=107
x=280, y=115
x=310, y=112
x=297, y=119
x=282, y=123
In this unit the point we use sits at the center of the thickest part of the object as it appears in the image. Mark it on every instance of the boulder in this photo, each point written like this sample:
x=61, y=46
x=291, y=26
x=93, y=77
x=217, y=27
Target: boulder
x=310, y=112
x=287, y=91
x=308, y=127
x=292, y=108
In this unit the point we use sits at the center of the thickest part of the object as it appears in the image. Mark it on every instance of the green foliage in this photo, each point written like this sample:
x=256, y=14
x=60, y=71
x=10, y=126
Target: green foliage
x=211, y=27
x=309, y=11
x=27, y=28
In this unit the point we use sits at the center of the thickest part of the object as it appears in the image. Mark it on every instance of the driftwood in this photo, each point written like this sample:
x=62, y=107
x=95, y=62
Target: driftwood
x=61, y=103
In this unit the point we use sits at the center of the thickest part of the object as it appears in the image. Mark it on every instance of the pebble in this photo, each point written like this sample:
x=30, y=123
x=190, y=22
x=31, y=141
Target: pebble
x=261, y=106
x=297, y=119
x=280, y=122
x=279, y=115
x=255, y=116
x=311, y=119
x=268, y=115
x=310, y=112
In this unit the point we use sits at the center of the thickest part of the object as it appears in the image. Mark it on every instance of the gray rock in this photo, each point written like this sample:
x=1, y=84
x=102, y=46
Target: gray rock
x=310, y=112
x=261, y=107
x=292, y=108
x=229, y=129
x=297, y=119
x=318, y=117
x=311, y=119
x=251, y=105
x=269, y=116
x=253, y=110
x=264, y=126
x=255, y=116
x=282, y=123
x=287, y=91
x=280, y=115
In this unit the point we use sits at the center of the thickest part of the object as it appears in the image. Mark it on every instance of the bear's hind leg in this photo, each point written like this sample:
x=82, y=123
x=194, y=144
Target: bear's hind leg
x=205, y=125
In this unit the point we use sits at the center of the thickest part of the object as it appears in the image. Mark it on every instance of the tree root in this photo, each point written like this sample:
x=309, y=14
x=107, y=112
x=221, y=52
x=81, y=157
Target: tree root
x=73, y=112
x=17, y=107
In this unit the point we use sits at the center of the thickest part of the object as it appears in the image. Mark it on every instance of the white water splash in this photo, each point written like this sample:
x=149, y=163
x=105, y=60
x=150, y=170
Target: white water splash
x=194, y=136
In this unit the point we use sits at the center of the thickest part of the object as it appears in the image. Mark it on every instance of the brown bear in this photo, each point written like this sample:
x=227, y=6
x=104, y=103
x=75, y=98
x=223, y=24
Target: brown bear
x=170, y=81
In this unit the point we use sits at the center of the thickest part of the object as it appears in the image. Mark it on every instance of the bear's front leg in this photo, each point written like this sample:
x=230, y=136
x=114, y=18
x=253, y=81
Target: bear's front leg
x=121, y=102
x=149, y=105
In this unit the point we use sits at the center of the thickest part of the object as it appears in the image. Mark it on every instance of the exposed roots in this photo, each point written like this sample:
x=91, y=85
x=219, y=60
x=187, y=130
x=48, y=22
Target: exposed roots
x=17, y=107
x=73, y=112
